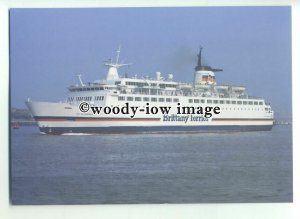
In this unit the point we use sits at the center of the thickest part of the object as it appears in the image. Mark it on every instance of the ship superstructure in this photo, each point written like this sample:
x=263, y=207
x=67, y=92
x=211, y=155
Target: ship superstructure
x=238, y=111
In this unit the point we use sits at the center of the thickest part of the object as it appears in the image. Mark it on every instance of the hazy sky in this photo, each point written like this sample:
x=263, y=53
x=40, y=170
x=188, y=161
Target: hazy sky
x=49, y=47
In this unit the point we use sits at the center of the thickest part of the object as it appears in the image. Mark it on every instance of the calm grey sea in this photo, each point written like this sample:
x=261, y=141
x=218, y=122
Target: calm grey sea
x=151, y=168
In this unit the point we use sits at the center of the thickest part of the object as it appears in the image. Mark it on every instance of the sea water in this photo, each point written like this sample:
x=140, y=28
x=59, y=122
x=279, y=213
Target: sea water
x=151, y=167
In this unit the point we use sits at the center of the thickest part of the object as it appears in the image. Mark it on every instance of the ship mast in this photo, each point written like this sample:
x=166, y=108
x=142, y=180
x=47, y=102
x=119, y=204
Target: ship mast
x=112, y=73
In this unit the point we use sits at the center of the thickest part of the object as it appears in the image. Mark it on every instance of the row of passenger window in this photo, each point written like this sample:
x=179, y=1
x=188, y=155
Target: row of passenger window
x=74, y=89
x=99, y=97
x=154, y=99
x=147, y=99
x=83, y=98
x=87, y=89
x=71, y=99
x=142, y=84
x=227, y=102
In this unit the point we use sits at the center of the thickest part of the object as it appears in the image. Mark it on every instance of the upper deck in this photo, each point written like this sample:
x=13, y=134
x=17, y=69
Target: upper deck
x=204, y=85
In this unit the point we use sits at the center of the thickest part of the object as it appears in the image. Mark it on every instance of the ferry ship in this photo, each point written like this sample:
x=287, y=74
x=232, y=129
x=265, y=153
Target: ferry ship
x=238, y=110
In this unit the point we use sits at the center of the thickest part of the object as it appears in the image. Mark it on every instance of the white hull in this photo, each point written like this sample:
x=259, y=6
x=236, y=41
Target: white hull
x=58, y=118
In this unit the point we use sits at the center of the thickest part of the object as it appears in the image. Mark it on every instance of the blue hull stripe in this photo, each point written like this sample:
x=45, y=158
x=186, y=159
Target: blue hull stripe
x=62, y=118
x=137, y=129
